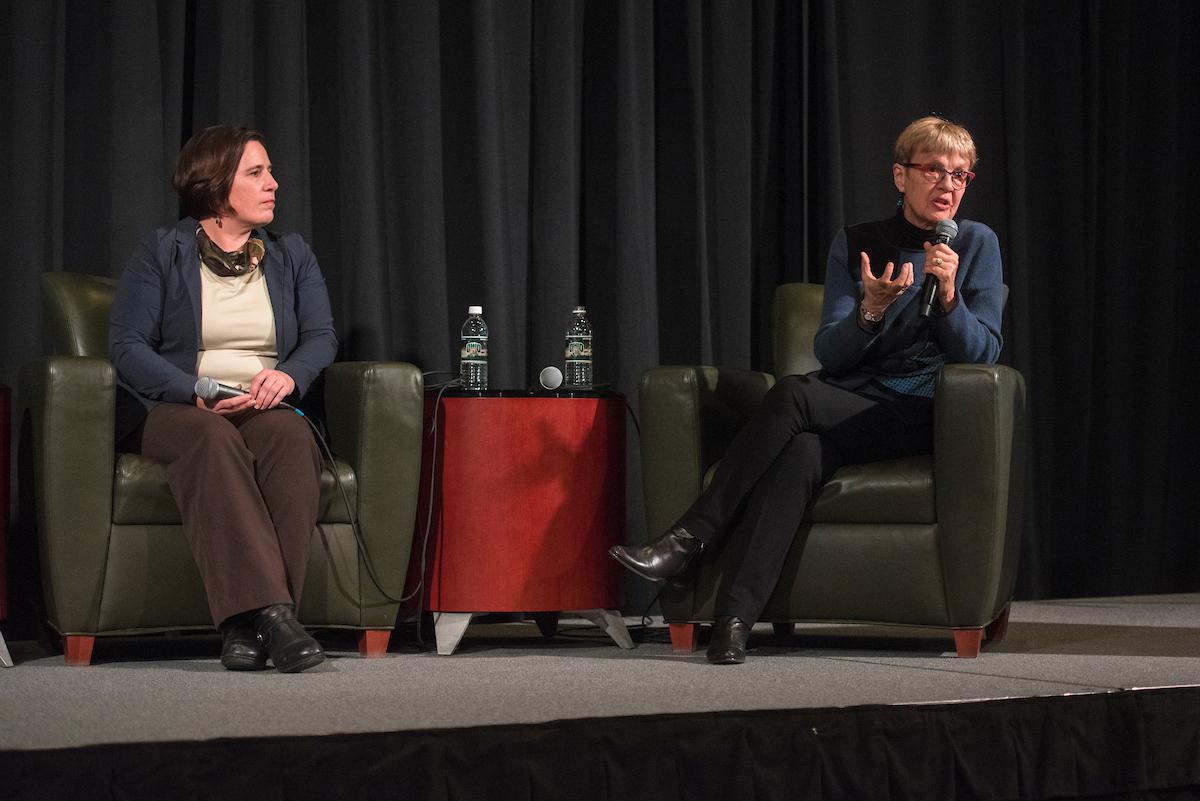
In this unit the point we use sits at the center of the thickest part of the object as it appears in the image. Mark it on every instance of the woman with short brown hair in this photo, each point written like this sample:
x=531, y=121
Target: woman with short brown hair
x=221, y=296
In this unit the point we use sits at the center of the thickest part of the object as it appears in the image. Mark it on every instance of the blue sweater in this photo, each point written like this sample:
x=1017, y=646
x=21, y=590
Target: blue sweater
x=154, y=330
x=906, y=351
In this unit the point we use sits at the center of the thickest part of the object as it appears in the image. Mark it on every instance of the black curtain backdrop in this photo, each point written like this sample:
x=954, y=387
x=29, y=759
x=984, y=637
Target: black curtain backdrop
x=666, y=163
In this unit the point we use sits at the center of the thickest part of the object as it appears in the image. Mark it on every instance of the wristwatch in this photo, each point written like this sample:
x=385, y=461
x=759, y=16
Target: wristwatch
x=869, y=316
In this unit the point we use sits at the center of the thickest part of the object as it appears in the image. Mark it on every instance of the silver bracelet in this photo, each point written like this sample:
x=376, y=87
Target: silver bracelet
x=871, y=317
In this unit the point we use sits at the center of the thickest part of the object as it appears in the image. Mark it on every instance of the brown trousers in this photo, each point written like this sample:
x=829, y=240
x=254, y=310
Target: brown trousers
x=247, y=488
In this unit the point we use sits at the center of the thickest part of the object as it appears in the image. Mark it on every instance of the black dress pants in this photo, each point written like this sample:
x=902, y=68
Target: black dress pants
x=804, y=431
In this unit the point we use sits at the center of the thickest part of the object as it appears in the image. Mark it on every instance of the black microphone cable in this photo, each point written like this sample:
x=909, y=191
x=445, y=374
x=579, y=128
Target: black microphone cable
x=416, y=591
x=209, y=389
x=327, y=455
x=453, y=382
x=433, y=429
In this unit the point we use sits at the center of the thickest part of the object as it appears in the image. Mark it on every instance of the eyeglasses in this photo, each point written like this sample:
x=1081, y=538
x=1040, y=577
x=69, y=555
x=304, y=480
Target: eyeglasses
x=934, y=173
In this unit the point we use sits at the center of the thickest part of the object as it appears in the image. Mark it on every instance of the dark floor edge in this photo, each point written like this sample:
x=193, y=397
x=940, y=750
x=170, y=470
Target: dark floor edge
x=1121, y=744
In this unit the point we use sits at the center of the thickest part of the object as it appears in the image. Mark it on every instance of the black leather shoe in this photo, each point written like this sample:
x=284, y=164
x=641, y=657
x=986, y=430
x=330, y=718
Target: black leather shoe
x=728, y=643
x=240, y=648
x=289, y=645
x=666, y=557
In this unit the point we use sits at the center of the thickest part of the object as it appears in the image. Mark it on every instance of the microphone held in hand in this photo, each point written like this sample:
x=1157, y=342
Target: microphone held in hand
x=943, y=234
x=210, y=389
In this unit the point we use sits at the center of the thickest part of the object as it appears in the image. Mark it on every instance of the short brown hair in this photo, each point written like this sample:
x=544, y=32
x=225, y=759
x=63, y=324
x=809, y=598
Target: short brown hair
x=935, y=135
x=206, y=167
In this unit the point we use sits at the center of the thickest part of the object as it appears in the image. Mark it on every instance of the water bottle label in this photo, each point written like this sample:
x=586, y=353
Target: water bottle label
x=474, y=349
x=579, y=349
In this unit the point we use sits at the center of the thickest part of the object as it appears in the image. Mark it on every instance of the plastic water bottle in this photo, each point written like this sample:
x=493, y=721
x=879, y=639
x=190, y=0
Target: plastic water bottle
x=578, y=372
x=473, y=360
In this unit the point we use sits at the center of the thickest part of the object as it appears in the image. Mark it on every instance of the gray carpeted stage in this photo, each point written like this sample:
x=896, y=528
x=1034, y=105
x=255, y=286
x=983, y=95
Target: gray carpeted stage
x=173, y=688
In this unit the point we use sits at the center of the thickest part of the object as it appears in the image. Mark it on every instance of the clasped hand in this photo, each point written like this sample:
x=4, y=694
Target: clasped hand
x=942, y=263
x=267, y=389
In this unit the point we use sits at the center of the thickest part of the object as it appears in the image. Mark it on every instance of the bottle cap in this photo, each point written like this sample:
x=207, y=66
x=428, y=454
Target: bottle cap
x=474, y=310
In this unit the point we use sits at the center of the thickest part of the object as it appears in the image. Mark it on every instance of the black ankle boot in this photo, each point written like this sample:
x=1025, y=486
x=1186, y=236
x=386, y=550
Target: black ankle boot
x=728, y=644
x=666, y=557
x=240, y=647
x=289, y=645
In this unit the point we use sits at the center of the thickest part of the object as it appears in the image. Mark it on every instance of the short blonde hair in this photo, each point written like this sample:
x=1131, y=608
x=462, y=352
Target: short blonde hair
x=935, y=135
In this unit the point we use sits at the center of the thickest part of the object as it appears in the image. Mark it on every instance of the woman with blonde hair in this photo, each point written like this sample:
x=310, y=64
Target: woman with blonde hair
x=903, y=296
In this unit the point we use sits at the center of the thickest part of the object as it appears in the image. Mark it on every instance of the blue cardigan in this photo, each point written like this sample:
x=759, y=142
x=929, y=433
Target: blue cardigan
x=154, y=330
x=907, y=350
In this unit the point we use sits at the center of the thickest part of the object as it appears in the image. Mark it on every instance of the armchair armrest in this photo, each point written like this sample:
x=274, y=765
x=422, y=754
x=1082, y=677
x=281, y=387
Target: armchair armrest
x=979, y=471
x=689, y=416
x=69, y=401
x=374, y=417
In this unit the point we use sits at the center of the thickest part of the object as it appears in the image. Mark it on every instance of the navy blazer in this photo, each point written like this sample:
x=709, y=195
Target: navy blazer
x=154, y=329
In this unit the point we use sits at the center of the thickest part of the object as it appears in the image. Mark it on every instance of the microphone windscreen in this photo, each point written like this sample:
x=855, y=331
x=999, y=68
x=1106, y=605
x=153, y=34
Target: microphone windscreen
x=550, y=378
x=207, y=388
x=945, y=230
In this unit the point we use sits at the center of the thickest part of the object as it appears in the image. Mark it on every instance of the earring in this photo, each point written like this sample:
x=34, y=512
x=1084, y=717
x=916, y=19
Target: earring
x=899, y=202
x=219, y=221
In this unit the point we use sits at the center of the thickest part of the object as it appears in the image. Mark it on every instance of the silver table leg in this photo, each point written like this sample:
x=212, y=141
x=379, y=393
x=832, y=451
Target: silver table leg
x=448, y=629
x=611, y=623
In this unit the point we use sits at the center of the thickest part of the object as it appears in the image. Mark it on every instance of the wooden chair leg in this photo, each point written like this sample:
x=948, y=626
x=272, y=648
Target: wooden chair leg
x=967, y=642
x=373, y=643
x=685, y=637
x=995, y=631
x=78, y=649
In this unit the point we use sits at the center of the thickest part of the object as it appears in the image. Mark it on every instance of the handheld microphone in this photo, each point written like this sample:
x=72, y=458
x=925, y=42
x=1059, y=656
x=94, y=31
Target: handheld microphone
x=550, y=378
x=943, y=234
x=210, y=390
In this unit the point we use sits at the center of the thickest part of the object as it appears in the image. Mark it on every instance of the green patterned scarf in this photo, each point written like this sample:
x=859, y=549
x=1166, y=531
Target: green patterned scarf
x=228, y=265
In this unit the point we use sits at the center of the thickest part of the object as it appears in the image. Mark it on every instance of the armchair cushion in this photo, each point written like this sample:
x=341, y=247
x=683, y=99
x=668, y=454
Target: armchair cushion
x=898, y=490
x=895, y=491
x=141, y=494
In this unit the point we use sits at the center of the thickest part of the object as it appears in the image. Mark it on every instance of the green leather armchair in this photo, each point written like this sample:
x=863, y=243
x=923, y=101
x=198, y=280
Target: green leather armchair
x=928, y=541
x=113, y=556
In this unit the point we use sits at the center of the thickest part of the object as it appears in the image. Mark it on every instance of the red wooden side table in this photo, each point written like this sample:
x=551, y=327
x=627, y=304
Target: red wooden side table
x=5, y=455
x=528, y=495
